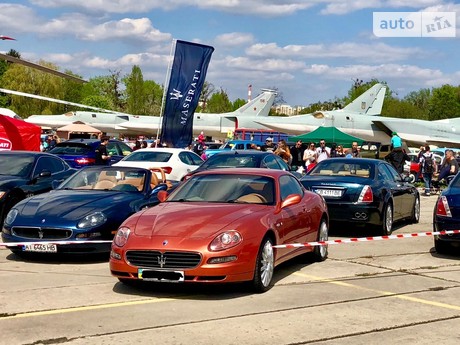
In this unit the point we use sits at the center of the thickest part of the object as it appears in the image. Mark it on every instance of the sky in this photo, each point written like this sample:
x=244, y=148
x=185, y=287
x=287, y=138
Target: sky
x=310, y=50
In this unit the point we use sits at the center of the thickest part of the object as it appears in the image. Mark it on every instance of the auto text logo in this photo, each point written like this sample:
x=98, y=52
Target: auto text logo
x=414, y=24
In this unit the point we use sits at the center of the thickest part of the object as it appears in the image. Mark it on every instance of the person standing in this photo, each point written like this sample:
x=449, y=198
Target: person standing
x=309, y=157
x=396, y=142
x=102, y=156
x=269, y=146
x=283, y=151
x=355, y=150
x=428, y=168
x=323, y=152
x=297, y=154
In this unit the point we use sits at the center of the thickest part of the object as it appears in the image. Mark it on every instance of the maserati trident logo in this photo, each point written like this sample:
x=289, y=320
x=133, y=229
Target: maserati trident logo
x=161, y=261
x=176, y=95
x=165, y=242
x=40, y=234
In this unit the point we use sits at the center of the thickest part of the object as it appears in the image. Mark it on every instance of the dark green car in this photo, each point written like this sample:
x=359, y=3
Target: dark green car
x=364, y=192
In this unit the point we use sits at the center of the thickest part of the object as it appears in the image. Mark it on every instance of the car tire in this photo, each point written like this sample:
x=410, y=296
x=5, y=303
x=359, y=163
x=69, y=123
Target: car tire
x=265, y=262
x=442, y=247
x=415, y=218
x=320, y=252
x=387, y=221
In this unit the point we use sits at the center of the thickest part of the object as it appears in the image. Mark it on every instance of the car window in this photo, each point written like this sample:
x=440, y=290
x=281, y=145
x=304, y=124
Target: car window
x=194, y=158
x=16, y=165
x=270, y=162
x=148, y=156
x=289, y=185
x=125, y=149
x=71, y=149
x=394, y=174
x=239, y=147
x=283, y=165
x=50, y=164
x=384, y=174
x=112, y=149
x=185, y=158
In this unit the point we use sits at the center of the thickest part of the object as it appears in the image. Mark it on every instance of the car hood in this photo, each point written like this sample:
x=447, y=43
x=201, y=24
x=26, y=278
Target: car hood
x=193, y=220
x=68, y=205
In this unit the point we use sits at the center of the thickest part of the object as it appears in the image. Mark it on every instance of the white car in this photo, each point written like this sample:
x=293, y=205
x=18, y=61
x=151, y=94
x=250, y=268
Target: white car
x=175, y=162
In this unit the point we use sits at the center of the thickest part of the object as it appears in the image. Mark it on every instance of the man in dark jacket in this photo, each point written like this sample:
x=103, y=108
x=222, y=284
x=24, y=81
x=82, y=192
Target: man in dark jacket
x=102, y=156
x=397, y=159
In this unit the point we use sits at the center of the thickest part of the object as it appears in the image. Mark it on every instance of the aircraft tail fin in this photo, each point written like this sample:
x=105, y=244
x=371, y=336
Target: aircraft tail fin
x=259, y=106
x=370, y=102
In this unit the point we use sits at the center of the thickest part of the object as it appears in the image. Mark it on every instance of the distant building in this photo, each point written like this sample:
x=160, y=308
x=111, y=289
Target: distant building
x=286, y=109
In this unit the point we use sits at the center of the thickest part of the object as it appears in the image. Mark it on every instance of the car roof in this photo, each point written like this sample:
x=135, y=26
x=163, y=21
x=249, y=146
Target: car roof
x=243, y=153
x=354, y=160
x=164, y=149
x=26, y=153
x=245, y=171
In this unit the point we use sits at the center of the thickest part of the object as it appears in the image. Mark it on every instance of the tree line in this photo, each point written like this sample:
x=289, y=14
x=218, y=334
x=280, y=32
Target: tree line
x=132, y=94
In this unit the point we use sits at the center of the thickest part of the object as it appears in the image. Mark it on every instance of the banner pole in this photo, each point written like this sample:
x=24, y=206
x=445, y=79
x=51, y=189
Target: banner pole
x=165, y=87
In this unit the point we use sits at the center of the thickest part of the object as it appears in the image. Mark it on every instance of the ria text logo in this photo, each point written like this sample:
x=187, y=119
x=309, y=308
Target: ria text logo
x=414, y=24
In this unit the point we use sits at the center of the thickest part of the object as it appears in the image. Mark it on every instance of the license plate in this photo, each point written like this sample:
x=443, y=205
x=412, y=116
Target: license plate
x=40, y=248
x=334, y=193
x=160, y=276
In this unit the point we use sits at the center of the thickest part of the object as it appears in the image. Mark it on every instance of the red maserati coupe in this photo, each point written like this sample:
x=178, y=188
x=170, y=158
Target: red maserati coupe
x=220, y=226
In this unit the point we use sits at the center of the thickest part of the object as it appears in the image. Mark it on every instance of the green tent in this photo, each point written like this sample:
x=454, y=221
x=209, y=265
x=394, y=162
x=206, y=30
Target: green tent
x=330, y=135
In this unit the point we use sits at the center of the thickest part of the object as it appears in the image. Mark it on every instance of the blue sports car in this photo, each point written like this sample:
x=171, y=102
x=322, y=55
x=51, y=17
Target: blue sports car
x=88, y=206
x=364, y=192
x=446, y=216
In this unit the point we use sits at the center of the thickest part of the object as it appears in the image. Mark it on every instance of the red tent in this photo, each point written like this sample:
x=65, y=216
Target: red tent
x=18, y=135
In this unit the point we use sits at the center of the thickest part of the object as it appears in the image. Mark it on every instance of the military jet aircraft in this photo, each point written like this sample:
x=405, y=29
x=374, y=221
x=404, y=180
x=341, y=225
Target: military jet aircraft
x=371, y=128
x=212, y=124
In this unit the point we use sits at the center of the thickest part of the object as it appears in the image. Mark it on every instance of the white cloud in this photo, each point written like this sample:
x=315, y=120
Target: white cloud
x=376, y=52
x=232, y=39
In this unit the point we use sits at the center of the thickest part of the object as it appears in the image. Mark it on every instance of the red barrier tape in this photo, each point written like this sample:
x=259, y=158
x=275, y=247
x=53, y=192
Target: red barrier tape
x=366, y=239
x=291, y=245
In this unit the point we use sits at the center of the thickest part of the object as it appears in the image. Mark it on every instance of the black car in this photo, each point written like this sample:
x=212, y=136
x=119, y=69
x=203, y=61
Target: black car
x=79, y=153
x=25, y=173
x=243, y=159
x=446, y=216
x=363, y=192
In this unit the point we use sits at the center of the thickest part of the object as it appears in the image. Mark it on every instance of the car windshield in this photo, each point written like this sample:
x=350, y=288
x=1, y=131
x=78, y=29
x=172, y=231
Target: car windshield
x=70, y=149
x=343, y=168
x=16, y=165
x=107, y=178
x=226, y=188
x=148, y=156
x=230, y=161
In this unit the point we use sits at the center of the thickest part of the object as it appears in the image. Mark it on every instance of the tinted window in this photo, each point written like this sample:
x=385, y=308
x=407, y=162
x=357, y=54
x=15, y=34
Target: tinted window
x=384, y=174
x=185, y=158
x=148, y=156
x=283, y=164
x=195, y=159
x=71, y=149
x=394, y=174
x=48, y=164
x=16, y=165
x=125, y=149
x=289, y=185
x=228, y=161
x=271, y=163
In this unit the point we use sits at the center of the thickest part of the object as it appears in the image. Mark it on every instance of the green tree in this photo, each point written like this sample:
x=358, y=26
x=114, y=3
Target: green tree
x=238, y=103
x=206, y=92
x=24, y=79
x=420, y=99
x=135, y=96
x=444, y=103
x=153, y=98
x=219, y=103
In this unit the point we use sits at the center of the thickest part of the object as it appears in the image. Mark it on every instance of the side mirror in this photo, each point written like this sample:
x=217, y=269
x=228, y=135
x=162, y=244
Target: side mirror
x=44, y=173
x=162, y=195
x=292, y=199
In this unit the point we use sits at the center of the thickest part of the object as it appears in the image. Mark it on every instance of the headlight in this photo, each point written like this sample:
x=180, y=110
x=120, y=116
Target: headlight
x=121, y=237
x=225, y=240
x=2, y=194
x=92, y=220
x=11, y=216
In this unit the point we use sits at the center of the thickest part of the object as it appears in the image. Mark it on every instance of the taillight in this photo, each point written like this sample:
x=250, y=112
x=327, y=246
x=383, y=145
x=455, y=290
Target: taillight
x=442, y=207
x=366, y=194
x=167, y=170
x=85, y=161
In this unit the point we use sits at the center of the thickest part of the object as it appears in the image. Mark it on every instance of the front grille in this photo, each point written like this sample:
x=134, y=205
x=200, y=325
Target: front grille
x=42, y=233
x=165, y=260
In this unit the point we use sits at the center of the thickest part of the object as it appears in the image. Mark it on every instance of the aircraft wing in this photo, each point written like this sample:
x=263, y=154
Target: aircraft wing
x=419, y=133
